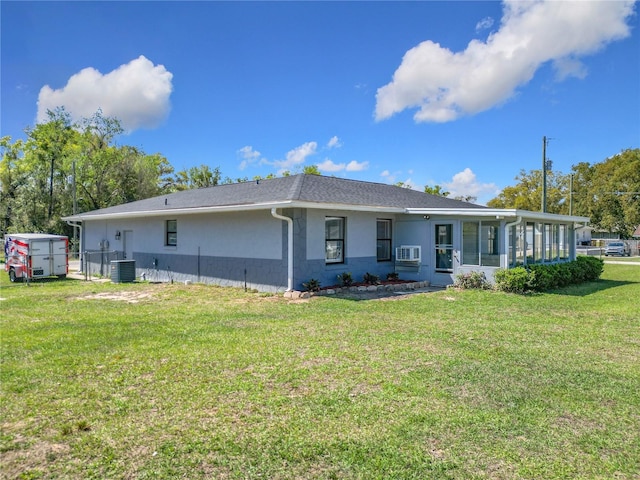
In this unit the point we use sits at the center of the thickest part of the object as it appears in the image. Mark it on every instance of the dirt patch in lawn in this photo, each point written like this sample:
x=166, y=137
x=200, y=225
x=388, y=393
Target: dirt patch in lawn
x=126, y=296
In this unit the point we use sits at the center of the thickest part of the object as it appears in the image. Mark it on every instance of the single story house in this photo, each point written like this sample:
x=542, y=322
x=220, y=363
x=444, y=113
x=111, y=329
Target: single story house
x=276, y=234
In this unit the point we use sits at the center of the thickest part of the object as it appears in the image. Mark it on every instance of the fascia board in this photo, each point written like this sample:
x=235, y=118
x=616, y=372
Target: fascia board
x=497, y=213
x=176, y=211
x=231, y=208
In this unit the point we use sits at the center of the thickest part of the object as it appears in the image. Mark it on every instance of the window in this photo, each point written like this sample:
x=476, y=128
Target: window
x=334, y=239
x=171, y=233
x=480, y=243
x=537, y=244
x=470, y=243
x=490, y=244
x=529, y=242
x=383, y=240
x=564, y=241
x=548, y=242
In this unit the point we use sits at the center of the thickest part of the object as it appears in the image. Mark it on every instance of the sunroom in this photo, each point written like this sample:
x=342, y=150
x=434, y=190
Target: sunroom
x=486, y=240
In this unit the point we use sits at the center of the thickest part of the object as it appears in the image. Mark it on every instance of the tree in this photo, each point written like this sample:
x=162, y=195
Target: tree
x=35, y=190
x=197, y=177
x=311, y=170
x=607, y=192
x=11, y=177
x=436, y=190
x=527, y=193
x=466, y=198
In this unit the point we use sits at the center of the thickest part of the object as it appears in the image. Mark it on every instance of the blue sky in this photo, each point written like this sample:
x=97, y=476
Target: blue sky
x=458, y=94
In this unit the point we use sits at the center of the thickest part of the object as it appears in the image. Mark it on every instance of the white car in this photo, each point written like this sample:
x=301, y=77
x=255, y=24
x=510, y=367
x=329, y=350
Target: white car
x=617, y=248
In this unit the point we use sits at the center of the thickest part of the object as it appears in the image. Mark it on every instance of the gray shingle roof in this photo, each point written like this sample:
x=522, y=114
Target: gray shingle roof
x=296, y=188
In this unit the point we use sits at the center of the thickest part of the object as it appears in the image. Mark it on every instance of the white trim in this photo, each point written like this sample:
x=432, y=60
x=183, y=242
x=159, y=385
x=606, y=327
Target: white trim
x=231, y=208
x=498, y=213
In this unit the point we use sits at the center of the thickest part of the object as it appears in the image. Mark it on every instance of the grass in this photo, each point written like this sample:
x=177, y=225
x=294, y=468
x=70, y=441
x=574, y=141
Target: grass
x=172, y=381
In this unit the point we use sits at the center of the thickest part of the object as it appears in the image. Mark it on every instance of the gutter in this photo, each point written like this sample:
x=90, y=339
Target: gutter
x=229, y=208
x=289, y=221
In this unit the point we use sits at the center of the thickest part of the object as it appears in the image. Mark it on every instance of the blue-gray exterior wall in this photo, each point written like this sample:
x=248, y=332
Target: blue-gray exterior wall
x=360, y=246
x=252, y=273
x=211, y=249
x=250, y=248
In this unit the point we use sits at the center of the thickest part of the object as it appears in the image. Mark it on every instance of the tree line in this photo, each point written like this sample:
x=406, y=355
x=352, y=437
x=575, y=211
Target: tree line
x=65, y=167
x=607, y=192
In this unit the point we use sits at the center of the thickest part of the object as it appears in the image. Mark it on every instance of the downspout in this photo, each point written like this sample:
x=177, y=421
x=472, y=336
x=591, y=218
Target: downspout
x=289, y=221
x=507, y=226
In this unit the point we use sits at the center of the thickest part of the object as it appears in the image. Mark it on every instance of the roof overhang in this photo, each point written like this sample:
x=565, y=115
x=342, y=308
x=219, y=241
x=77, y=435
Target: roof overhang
x=497, y=213
x=227, y=208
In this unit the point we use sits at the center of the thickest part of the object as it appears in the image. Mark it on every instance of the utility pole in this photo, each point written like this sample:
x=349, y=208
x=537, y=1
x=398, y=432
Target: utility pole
x=75, y=203
x=544, y=174
x=571, y=194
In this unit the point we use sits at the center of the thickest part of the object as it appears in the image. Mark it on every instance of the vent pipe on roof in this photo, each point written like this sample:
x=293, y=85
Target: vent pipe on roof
x=289, y=221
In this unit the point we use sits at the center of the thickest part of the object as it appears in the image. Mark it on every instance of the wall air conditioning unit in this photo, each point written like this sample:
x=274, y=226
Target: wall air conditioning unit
x=408, y=253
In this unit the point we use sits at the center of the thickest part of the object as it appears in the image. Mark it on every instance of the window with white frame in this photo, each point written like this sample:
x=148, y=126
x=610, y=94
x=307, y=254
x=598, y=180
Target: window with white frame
x=334, y=239
x=171, y=233
x=480, y=243
x=383, y=240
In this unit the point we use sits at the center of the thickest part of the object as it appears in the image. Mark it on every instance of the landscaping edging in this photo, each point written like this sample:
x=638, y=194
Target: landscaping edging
x=360, y=289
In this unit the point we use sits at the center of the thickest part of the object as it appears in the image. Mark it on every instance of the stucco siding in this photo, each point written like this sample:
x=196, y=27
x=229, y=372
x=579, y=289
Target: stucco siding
x=260, y=274
x=246, y=234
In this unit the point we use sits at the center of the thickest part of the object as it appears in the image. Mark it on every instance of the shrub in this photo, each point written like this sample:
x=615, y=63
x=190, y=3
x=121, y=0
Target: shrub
x=591, y=267
x=472, y=280
x=541, y=277
x=345, y=279
x=393, y=276
x=514, y=280
x=371, y=279
x=312, y=285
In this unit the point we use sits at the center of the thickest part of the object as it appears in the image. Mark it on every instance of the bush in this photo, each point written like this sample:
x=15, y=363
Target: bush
x=345, y=279
x=469, y=280
x=393, y=276
x=371, y=279
x=541, y=277
x=514, y=280
x=591, y=267
x=312, y=285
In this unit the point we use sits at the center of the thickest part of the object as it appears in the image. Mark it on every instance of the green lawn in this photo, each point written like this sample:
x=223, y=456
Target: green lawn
x=204, y=382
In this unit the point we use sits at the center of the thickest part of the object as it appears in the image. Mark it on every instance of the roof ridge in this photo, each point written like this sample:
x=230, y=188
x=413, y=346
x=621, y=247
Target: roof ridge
x=296, y=187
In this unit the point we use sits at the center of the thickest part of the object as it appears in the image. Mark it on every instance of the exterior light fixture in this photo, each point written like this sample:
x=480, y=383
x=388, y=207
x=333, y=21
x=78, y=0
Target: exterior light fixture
x=118, y=235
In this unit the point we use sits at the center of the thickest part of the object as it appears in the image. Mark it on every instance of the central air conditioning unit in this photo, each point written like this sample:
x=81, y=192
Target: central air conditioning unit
x=408, y=253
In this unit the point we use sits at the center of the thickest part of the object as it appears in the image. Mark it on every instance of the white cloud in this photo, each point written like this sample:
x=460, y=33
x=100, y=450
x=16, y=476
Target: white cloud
x=445, y=85
x=334, y=142
x=137, y=93
x=354, y=166
x=484, y=24
x=297, y=156
x=329, y=165
x=249, y=156
x=465, y=183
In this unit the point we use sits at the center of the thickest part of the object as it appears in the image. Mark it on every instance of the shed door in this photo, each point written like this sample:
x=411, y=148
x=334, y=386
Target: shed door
x=41, y=258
